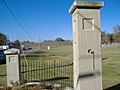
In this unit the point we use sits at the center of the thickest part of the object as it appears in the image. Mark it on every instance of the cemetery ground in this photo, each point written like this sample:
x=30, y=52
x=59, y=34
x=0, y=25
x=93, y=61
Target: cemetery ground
x=63, y=52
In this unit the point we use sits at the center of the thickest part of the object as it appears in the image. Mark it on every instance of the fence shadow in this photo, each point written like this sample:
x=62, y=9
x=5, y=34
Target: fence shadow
x=38, y=52
x=46, y=80
x=32, y=55
x=115, y=87
x=56, y=78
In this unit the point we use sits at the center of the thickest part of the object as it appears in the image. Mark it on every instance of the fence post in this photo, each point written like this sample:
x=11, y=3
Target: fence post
x=13, y=66
x=54, y=70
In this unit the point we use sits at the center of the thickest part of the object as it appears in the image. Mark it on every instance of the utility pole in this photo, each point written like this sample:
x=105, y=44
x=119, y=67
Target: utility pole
x=39, y=42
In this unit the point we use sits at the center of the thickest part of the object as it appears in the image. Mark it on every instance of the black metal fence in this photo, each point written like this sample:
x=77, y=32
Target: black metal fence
x=50, y=72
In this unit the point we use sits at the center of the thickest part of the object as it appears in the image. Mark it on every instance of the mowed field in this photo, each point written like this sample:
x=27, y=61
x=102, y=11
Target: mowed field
x=63, y=52
x=111, y=67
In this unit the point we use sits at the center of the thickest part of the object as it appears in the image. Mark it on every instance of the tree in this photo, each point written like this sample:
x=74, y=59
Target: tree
x=17, y=44
x=59, y=40
x=104, y=37
x=116, y=28
x=116, y=36
x=3, y=38
x=111, y=39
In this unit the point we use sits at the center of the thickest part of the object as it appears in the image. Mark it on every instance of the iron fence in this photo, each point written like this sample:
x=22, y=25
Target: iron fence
x=50, y=72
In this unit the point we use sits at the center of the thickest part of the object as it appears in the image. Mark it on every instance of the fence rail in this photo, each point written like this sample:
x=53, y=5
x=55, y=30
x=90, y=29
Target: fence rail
x=50, y=72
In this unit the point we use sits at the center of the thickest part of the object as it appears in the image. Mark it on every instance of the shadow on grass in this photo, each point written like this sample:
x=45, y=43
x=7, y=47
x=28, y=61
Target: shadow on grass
x=104, y=58
x=116, y=87
x=3, y=75
x=32, y=55
x=38, y=52
x=51, y=79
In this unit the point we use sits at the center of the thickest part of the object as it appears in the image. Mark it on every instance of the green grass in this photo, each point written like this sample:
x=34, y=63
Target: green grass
x=3, y=74
x=62, y=55
x=110, y=61
x=111, y=66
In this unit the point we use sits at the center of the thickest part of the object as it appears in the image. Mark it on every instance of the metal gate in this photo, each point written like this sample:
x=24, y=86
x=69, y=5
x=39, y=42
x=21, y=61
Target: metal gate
x=48, y=72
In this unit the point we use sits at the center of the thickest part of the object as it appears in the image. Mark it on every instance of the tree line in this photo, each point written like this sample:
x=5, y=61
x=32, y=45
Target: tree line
x=106, y=38
x=111, y=37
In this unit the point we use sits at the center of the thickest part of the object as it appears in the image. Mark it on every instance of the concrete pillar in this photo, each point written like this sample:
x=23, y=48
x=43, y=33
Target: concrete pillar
x=13, y=66
x=86, y=45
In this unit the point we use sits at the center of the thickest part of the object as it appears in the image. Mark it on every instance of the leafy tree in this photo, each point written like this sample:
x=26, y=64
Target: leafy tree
x=3, y=38
x=17, y=44
x=59, y=40
x=104, y=37
x=110, y=37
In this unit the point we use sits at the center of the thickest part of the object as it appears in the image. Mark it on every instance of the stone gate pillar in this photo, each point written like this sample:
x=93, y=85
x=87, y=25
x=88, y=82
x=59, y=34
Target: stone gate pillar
x=13, y=66
x=86, y=45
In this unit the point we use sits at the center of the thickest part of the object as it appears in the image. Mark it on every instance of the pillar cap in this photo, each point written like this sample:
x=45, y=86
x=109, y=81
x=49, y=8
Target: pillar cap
x=12, y=51
x=85, y=5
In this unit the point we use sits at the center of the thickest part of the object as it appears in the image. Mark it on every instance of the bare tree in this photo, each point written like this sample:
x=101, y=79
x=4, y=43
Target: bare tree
x=116, y=36
x=116, y=28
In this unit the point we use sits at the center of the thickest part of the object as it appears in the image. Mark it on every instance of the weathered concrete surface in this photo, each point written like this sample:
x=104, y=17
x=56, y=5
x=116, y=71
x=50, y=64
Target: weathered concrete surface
x=13, y=66
x=81, y=4
x=86, y=45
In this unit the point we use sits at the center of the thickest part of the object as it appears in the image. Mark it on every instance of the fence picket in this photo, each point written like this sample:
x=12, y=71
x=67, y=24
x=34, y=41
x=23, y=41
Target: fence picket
x=55, y=72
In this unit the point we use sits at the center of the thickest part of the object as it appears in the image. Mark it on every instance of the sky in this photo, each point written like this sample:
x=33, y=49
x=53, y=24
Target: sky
x=49, y=19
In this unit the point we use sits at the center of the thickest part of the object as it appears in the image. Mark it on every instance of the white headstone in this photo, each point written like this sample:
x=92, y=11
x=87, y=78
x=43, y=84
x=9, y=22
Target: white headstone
x=48, y=47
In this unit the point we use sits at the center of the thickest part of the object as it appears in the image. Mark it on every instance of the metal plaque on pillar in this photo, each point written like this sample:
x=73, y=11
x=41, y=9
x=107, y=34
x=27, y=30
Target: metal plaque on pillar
x=86, y=45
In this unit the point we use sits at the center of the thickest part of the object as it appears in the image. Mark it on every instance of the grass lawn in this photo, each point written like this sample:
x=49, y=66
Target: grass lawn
x=3, y=74
x=62, y=56
x=110, y=61
x=111, y=66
